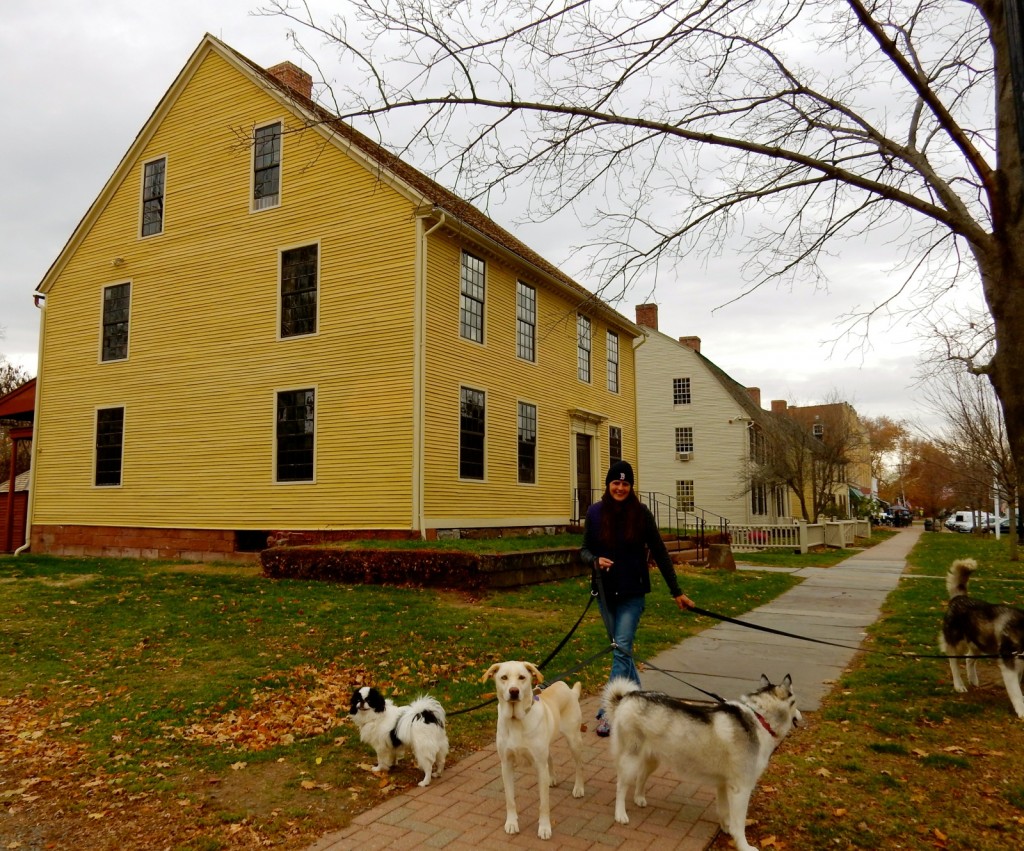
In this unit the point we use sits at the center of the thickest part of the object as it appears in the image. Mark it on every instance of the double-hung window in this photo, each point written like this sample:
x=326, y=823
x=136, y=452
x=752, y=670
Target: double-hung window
x=295, y=438
x=153, y=174
x=613, y=362
x=680, y=391
x=526, y=322
x=759, y=499
x=527, y=443
x=116, y=311
x=472, y=424
x=109, y=446
x=614, y=444
x=471, y=297
x=684, y=495
x=583, y=343
x=266, y=166
x=684, y=439
x=299, y=274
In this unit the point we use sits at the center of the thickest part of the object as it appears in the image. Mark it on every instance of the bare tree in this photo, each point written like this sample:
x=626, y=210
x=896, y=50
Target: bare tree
x=11, y=377
x=681, y=124
x=973, y=436
x=809, y=451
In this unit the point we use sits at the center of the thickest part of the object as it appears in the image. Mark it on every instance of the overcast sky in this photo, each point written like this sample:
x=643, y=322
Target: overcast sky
x=82, y=79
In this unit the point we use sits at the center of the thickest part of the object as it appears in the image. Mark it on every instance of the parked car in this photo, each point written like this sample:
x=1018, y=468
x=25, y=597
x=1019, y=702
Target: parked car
x=963, y=520
x=1004, y=526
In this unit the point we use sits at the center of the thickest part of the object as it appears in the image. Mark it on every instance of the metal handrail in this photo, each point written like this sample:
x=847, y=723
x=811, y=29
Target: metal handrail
x=693, y=524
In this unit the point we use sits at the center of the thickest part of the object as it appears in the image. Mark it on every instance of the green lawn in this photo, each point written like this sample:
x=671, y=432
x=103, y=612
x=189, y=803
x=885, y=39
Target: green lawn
x=189, y=700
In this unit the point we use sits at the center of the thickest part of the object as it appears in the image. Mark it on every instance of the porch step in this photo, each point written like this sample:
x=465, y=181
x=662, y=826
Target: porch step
x=680, y=550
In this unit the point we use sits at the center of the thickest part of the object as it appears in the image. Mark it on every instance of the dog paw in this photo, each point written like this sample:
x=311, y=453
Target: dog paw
x=640, y=801
x=621, y=818
x=577, y=791
x=424, y=782
x=512, y=825
x=544, y=831
x=960, y=688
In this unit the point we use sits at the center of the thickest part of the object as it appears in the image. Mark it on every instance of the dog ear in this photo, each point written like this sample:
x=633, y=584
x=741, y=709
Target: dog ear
x=765, y=681
x=490, y=672
x=787, y=681
x=535, y=672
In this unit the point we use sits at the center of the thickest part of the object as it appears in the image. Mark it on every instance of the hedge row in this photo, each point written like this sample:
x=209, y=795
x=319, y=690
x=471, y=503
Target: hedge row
x=421, y=568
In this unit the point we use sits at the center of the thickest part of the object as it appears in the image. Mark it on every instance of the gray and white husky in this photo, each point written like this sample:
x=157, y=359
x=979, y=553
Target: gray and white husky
x=726, y=743
x=973, y=627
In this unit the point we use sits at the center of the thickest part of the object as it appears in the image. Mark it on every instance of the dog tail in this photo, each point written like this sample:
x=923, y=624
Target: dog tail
x=423, y=710
x=614, y=692
x=959, y=573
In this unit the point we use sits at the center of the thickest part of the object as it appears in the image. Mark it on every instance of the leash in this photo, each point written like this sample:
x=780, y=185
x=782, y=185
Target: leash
x=607, y=618
x=908, y=655
x=569, y=635
x=546, y=661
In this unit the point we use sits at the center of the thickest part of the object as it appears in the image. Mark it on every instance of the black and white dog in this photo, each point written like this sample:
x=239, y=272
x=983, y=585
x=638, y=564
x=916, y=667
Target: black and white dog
x=727, y=743
x=973, y=627
x=392, y=730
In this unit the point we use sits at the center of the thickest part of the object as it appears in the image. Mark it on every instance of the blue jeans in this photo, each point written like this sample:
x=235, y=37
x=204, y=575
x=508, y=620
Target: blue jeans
x=624, y=616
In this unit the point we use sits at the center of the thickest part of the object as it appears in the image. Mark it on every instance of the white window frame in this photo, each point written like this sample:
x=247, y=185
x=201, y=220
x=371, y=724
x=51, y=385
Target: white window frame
x=612, y=346
x=280, y=288
x=584, y=348
x=142, y=199
x=258, y=205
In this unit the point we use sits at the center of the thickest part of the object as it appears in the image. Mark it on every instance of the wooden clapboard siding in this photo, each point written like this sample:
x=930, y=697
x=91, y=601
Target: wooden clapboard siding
x=550, y=383
x=719, y=436
x=204, y=359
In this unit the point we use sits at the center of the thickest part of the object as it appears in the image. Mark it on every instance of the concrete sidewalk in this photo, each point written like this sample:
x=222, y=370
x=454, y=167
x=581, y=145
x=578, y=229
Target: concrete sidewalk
x=465, y=809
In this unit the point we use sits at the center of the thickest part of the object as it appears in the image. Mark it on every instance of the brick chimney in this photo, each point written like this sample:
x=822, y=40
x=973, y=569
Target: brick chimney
x=779, y=406
x=294, y=78
x=691, y=342
x=755, y=394
x=647, y=315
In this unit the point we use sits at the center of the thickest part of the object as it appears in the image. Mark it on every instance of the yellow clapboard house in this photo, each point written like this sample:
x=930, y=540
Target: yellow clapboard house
x=266, y=323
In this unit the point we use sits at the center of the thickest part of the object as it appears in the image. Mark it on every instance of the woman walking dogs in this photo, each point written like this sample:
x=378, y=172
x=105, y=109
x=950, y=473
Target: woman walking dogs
x=618, y=534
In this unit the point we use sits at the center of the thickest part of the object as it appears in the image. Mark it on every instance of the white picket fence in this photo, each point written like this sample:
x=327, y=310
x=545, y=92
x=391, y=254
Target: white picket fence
x=798, y=535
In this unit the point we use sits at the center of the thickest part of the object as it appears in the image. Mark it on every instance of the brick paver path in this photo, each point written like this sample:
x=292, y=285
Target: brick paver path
x=465, y=809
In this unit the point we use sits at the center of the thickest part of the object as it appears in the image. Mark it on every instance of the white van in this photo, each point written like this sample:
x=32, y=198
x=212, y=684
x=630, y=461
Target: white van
x=963, y=520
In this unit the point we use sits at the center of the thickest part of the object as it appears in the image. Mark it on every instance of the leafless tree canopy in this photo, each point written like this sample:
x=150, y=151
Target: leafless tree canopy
x=675, y=124
x=682, y=128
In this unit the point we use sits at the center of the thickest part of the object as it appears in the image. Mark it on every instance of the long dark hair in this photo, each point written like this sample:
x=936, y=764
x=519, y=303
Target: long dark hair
x=621, y=522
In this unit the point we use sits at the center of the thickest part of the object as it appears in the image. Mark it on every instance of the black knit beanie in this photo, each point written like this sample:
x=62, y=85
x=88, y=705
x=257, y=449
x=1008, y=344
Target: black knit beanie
x=621, y=471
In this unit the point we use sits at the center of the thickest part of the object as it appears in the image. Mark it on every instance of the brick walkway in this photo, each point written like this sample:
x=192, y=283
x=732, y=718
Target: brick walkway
x=464, y=810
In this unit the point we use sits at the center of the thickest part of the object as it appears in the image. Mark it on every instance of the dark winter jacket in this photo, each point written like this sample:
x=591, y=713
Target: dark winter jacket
x=629, y=575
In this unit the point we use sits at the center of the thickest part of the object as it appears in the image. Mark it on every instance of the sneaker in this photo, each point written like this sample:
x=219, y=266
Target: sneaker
x=604, y=728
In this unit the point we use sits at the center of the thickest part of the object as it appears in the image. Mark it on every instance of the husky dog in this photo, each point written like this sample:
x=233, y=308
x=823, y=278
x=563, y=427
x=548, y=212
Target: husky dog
x=726, y=743
x=390, y=730
x=975, y=628
x=527, y=725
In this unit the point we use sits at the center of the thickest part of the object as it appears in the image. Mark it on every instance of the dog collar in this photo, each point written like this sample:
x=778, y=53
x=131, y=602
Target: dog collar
x=764, y=723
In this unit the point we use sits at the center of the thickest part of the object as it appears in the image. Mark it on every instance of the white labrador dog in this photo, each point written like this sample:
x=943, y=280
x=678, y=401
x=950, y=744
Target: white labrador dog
x=527, y=725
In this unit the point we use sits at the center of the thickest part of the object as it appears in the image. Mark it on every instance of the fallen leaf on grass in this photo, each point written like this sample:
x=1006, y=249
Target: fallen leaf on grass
x=237, y=766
